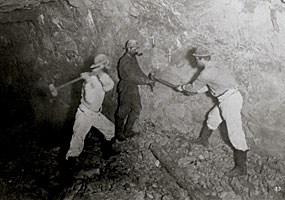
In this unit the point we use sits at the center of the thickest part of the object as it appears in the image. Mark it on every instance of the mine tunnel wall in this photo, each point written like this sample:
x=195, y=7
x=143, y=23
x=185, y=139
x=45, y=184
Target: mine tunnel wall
x=53, y=41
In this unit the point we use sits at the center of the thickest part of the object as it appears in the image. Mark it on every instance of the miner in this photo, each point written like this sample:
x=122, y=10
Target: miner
x=217, y=79
x=129, y=102
x=96, y=84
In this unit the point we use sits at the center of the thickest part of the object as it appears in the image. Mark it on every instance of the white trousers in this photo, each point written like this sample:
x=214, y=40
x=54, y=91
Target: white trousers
x=229, y=110
x=84, y=120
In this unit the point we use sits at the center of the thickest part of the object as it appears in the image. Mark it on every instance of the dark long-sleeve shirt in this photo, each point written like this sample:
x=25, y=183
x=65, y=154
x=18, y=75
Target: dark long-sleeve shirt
x=130, y=74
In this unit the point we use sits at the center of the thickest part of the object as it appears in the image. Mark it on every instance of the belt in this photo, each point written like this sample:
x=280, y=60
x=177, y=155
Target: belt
x=86, y=108
x=226, y=94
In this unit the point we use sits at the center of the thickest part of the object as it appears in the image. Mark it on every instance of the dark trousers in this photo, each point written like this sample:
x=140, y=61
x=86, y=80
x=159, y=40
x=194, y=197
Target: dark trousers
x=128, y=111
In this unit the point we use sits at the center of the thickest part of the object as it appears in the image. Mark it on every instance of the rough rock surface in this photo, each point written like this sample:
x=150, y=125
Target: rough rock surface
x=53, y=41
x=44, y=42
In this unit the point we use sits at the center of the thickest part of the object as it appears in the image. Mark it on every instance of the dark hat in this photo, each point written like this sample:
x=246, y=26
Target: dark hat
x=132, y=43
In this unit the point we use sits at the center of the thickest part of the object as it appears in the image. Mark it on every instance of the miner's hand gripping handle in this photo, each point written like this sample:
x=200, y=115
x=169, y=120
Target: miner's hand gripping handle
x=174, y=87
x=187, y=93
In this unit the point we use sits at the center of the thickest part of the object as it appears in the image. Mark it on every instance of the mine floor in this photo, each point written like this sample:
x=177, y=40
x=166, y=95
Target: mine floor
x=30, y=170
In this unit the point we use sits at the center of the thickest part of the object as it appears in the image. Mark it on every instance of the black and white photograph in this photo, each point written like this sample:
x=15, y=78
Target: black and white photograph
x=142, y=99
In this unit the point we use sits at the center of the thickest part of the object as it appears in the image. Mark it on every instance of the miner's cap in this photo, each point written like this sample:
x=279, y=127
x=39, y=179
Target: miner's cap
x=99, y=60
x=132, y=43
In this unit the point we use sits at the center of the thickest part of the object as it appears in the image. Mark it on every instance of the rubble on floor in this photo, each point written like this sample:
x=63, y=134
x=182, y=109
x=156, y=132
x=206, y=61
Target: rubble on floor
x=137, y=174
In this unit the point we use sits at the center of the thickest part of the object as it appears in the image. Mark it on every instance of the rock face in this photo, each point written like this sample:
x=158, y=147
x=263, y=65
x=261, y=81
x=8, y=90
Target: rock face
x=45, y=42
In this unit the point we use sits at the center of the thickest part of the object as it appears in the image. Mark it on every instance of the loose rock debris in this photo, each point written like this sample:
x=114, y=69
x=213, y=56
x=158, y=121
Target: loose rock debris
x=143, y=176
x=137, y=174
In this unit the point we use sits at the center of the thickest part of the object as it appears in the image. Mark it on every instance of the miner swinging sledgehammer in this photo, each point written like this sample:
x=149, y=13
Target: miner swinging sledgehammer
x=88, y=114
x=217, y=79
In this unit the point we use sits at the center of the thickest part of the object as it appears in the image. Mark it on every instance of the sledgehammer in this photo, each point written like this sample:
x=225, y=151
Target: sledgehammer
x=166, y=83
x=54, y=90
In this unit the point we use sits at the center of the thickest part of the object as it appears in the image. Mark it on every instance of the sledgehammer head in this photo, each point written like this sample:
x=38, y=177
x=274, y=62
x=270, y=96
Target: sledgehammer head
x=53, y=90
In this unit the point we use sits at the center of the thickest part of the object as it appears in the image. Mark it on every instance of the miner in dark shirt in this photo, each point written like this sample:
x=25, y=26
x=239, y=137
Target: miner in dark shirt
x=129, y=102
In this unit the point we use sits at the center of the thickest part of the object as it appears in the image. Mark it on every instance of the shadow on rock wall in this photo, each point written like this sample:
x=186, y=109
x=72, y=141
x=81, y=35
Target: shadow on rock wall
x=57, y=38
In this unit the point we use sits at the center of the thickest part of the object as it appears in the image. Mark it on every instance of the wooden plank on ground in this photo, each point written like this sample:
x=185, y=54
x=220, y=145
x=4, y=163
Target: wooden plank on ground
x=179, y=174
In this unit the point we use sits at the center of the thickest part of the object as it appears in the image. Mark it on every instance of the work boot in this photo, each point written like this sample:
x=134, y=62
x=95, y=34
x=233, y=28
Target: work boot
x=119, y=129
x=204, y=137
x=67, y=169
x=107, y=149
x=240, y=168
x=130, y=133
x=120, y=136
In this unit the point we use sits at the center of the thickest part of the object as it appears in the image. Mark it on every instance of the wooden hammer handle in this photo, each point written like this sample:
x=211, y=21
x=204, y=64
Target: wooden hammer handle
x=69, y=82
